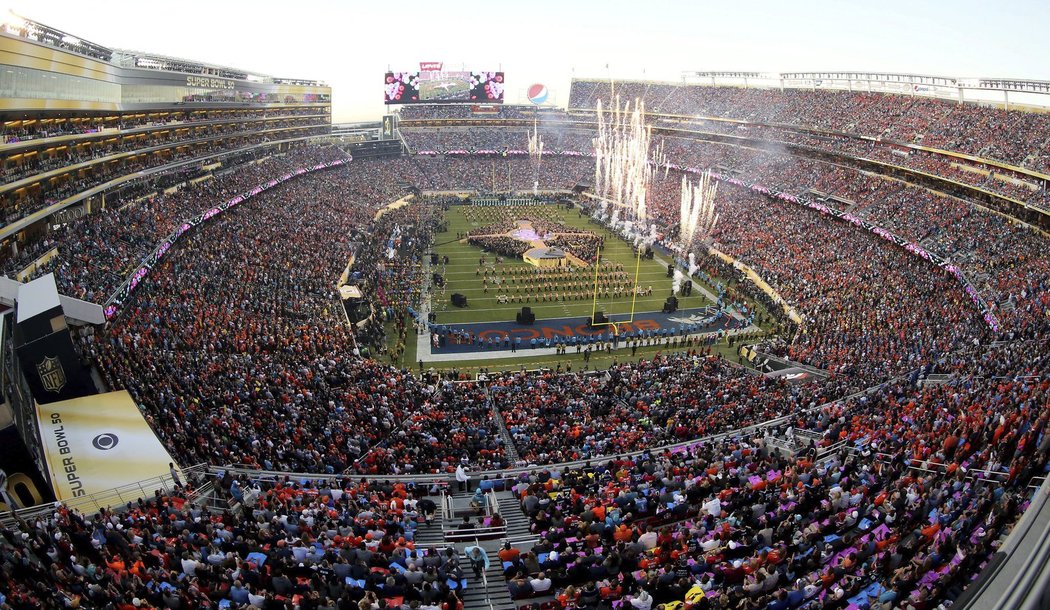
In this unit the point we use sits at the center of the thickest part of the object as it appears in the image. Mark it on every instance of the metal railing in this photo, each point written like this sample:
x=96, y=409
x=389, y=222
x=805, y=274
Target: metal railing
x=977, y=475
x=201, y=492
x=448, y=509
x=786, y=447
x=522, y=542
x=484, y=575
x=811, y=437
x=484, y=531
x=115, y=499
x=830, y=451
x=485, y=581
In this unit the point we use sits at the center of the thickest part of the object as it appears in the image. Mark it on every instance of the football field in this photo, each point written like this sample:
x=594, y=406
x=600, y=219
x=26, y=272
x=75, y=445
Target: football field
x=449, y=89
x=462, y=276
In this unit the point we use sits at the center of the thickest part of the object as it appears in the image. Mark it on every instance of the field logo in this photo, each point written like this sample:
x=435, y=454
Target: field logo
x=52, y=376
x=537, y=93
x=105, y=441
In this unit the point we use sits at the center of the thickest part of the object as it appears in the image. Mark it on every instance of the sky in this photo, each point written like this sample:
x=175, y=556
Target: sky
x=350, y=44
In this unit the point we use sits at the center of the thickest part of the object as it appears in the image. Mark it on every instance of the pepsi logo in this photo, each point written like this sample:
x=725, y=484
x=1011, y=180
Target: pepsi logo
x=537, y=93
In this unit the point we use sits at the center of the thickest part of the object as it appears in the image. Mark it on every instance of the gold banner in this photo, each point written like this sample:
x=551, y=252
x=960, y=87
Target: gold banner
x=95, y=444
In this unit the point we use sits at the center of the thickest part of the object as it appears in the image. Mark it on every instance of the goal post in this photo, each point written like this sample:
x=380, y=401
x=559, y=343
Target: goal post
x=634, y=292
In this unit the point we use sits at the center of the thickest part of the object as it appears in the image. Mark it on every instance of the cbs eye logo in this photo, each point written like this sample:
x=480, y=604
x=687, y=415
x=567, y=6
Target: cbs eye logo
x=105, y=442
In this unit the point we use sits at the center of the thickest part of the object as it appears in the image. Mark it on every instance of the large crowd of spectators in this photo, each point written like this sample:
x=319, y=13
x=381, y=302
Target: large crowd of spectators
x=884, y=127
x=117, y=142
x=905, y=210
x=889, y=123
x=870, y=310
x=496, y=174
x=719, y=524
x=901, y=516
x=556, y=138
x=456, y=422
x=736, y=524
x=416, y=112
x=258, y=337
x=238, y=351
x=333, y=544
x=260, y=303
x=561, y=418
x=1013, y=136
x=969, y=171
x=98, y=251
x=905, y=513
x=926, y=482
x=239, y=335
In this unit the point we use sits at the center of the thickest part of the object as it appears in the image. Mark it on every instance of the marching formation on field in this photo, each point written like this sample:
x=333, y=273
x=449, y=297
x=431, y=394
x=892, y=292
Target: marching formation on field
x=535, y=285
x=501, y=222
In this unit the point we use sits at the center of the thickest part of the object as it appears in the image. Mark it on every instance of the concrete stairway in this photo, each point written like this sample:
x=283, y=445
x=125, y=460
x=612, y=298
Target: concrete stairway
x=430, y=535
x=508, y=440
x=517, y=523
x=478, y=596
x=495, y=596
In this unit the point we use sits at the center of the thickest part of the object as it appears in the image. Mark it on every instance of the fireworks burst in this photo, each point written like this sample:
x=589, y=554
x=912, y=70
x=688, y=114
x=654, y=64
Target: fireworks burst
x=623, y=172
x=698, y=216
x=535, y=149
x=535, y=155
x=660, y=159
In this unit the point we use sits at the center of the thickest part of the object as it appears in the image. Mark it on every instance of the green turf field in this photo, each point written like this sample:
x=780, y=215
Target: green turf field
x=461, y=276
x=450, y=89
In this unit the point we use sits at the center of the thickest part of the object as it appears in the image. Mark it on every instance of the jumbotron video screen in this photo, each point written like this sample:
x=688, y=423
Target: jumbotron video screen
x=440, y=86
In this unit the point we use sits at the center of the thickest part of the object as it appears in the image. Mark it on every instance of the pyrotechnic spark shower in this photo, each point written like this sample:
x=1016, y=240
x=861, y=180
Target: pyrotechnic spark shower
x=660, y=159
x=622, y=171
x=535, y=155
x=623, y=174
x=535, y=149
x=697, y=215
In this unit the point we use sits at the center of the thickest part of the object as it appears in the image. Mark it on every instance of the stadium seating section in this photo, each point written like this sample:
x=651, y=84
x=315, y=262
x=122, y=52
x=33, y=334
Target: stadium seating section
x=238, y=354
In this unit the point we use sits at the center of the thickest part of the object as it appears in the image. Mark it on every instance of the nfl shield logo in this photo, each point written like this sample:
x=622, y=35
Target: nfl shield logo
x=51, y=374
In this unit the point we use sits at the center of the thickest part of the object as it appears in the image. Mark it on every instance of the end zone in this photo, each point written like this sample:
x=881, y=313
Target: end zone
x=505, y=340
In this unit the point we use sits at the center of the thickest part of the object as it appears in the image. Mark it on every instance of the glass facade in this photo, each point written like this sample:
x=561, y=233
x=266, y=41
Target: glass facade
x=19, y=82
x=167, y=94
